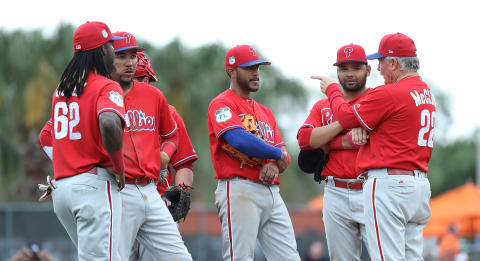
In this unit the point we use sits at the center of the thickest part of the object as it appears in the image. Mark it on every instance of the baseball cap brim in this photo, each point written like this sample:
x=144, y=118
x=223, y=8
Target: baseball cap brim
x=349, y=61
x=254, y=62
x=116, y=38
x=139, y=49
x=375, y=56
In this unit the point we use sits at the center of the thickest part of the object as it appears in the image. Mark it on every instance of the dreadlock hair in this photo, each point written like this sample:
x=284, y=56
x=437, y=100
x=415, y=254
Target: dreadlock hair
x=77, y=71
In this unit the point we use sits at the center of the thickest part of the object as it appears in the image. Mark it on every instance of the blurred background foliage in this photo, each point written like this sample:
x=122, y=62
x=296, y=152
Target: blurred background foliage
x=32, y=63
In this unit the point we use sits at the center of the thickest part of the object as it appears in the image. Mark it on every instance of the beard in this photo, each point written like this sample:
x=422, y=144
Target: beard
x=249, y=85
x=124, y=84
x=356, y=87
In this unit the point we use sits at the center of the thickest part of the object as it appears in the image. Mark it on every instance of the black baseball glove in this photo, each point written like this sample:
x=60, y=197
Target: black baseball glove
x=313, y=161
x=179, y=196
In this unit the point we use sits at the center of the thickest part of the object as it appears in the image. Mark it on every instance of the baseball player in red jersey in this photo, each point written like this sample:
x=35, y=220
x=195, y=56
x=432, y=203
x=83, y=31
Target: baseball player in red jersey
x=181, y=161
x=343, y=199
x=87, y=119
x=185, y=155
x=149, y=135
x=248, y=155
x=400, y=119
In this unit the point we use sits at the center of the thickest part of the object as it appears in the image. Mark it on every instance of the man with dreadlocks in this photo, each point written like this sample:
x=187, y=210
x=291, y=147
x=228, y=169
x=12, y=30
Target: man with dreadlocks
x=150, y=138
x=86, y=138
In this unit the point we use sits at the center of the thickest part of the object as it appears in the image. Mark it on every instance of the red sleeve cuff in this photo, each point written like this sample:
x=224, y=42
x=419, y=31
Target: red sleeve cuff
x=303, y=138
x=188, y=165
x=168, y=148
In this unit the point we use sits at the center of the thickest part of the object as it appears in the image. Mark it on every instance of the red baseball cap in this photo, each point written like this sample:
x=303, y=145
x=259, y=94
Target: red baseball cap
x=91, y=35
x=243, y=56
x=144, y=68
x=128, y=41
x=351, y=53
x=395, y=45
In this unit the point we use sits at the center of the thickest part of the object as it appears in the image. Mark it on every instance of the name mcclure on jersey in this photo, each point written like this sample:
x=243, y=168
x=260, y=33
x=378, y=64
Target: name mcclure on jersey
x=423, y=98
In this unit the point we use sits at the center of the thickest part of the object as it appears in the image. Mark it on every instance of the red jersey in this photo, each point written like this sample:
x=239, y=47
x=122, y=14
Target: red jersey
x=45, y=137
x=148, y=121
x=76, y=139
x=185, y=154
x=226, y=112
x=400, y=118
x=341, y=163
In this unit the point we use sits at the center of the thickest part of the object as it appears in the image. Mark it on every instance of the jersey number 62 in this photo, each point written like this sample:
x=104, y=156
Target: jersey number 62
x=66, y=123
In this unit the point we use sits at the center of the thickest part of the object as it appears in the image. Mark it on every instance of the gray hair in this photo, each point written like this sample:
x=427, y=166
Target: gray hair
x=407, y=64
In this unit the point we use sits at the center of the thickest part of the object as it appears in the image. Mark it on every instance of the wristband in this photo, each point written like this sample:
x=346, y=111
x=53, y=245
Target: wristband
x=303, y=138
x=288, y=158
x=168, y=148
x=117, y=161
x=164, y=173
x=350, y=141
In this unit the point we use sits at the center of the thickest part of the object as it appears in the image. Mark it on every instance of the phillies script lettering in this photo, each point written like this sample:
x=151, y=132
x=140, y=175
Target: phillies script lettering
x=138, y=121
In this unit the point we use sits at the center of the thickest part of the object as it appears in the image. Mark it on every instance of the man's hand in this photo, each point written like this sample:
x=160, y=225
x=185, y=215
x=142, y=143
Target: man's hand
x=26, y=254
x=269, y=173
x=165, y=160
x=325, y=81
x=282, y=163
x=120, y=177
x=359, y=136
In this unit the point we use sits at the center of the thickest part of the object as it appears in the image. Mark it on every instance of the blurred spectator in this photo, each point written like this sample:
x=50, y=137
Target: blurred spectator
x=316, y=252
x=32, y=254
x=449, y=245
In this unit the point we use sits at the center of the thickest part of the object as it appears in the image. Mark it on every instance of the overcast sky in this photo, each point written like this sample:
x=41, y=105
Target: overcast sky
x=299, y=37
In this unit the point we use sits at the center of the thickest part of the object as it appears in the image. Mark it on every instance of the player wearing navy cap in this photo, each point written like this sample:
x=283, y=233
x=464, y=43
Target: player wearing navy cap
x=248, y=155
x=150, y=135
x=400, y=119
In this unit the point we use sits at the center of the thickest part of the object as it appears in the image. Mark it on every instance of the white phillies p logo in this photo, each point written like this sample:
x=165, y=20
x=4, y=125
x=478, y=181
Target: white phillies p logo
x=348, y=51
x=254, y=53
x=127, y=37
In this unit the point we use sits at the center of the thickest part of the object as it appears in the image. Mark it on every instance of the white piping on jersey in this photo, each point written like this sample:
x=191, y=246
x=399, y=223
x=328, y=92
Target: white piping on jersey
x=111, y=109
x=184, y=159
x=144, y=129
x=360, y=118
x=307, y=125
x=169, y=134
x=227, y=128
x=278, y=144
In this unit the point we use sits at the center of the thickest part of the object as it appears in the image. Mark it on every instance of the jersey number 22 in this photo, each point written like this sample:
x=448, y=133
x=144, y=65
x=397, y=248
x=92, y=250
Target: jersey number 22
x=427, y=121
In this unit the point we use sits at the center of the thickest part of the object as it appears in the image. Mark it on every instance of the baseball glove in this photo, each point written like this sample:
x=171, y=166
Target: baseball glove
x=244, y=158
x=179, y=196
x=248, y=122
x=313, y=161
